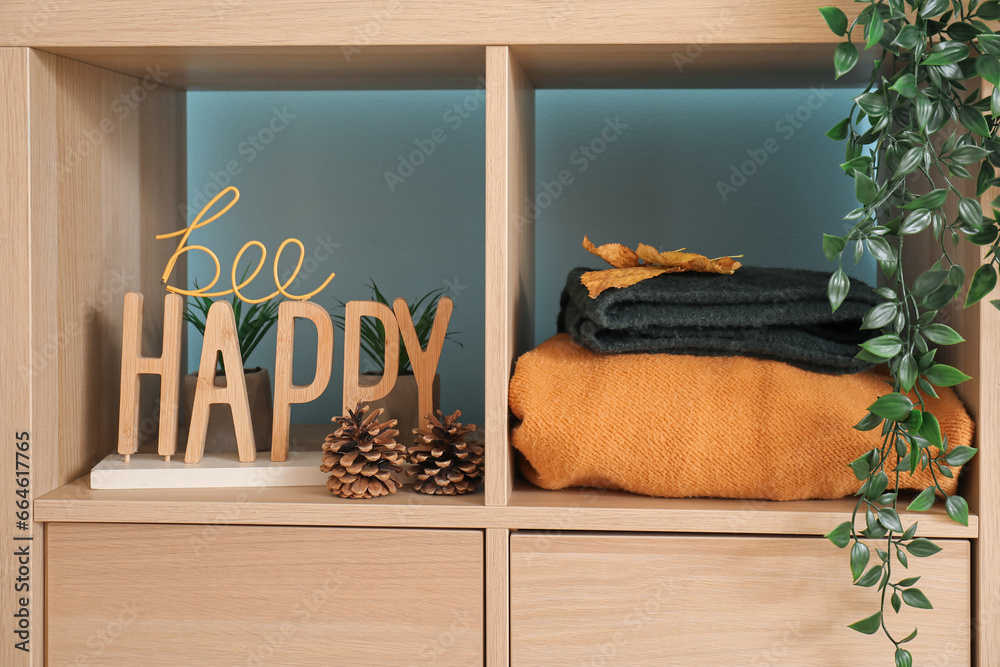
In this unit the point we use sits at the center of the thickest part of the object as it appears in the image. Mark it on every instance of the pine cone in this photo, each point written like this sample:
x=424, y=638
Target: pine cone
x=447, y=464
x=362, y=455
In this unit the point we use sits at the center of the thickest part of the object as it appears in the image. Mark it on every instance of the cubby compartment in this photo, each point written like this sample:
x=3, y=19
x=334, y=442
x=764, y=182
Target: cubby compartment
x=710, y=179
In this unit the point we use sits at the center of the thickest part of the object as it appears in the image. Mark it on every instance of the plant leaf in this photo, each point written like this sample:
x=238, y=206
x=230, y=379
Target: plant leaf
x=838, y=288
x=845, y=57
x=868, y=626
x=933, y=200
x=960, y=455
x=923, y=502
x=841, y=535
x=859, y=560
x=943, y=375
x=895, y=407
x=957, y=509
x=888, y=518
x=916, y=598
x=942, y=334
x=921, y=547
x=983, y=282
x=836, y=19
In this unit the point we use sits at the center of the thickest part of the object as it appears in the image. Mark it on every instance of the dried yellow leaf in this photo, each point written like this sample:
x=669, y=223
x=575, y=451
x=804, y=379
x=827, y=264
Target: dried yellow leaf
x=614, y=254
x=598, y=281
x=630, y=269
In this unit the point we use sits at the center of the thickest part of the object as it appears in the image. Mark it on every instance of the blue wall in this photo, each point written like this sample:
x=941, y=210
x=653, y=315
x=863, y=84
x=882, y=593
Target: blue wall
x=390, y=186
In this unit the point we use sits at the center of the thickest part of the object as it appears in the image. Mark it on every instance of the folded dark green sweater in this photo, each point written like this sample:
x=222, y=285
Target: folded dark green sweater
x=780, y=314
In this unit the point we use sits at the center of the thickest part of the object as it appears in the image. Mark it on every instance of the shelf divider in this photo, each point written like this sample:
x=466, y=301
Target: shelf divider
x=510, y=250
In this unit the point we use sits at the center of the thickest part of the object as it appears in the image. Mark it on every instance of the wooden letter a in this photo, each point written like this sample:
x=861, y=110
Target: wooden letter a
x=220, y=336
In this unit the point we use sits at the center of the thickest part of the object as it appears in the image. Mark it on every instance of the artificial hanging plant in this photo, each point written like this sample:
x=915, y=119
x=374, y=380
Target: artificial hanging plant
x=920, y=136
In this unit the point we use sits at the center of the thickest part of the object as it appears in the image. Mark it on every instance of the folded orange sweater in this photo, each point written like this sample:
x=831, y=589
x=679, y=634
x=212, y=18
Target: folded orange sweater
x=682, y=426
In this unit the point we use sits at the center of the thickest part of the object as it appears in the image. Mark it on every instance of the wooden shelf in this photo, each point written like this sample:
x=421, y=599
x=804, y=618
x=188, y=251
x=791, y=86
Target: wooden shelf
x=712, y=65
x=530, y=508
x=295, y=67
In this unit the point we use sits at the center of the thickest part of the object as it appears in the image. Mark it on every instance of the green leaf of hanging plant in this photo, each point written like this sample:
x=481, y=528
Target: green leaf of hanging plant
x=942, y=334
x=864, y=188
x=859, y=560
x=970, y=212
x=908, y=373
x=871, y=577
x=932, y=200
x=935, y=8
x=867, y=423
x=909, y=37
x=861, y=467
x=879, y=315
x=903, y=658
x=868, y=626
x=910, y=161
x=988, y=67
x=833, y=246
x=983, y=282
x=916, y=222
x=924, y=110
x=960, y=455
x=885, y=346
x=841, y=535
x=845, y=57
x=989, y=11
x=930, y=429
x=896, y=603
x=916, y=598
x=973, y=119
x=940, y=297
x=943, y=375
x=895, y=407
x=839, y=131
x=875, y=32
x=923, y=502
x=921, y=548
x=837, y=289
x=957, y=509
x=906, y=86
x=928, y=281
x=836, y=19
x=990, y=43
x=946, y=53
x=888, y=518
x=968, y=154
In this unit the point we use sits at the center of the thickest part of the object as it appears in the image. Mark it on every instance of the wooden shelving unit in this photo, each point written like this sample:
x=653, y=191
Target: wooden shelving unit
x=77, y=212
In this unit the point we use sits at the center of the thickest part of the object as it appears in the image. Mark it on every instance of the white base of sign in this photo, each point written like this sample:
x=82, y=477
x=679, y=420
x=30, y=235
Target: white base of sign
x=150, y=471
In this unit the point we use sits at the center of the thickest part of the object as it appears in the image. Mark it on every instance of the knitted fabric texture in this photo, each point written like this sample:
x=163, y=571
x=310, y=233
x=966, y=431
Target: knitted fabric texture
x=780, y=314
x=683, y=426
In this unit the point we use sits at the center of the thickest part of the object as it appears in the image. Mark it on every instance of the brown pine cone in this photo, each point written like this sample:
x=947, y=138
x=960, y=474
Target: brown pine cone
x=446, y=463
x=362, y=455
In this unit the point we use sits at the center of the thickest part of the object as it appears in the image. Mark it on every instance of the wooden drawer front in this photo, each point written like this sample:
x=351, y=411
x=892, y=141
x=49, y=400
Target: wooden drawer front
x=636, y=600
x=259, y=595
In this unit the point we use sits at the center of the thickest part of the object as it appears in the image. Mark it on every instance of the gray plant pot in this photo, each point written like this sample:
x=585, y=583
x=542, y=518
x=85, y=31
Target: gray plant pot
x=221, y=433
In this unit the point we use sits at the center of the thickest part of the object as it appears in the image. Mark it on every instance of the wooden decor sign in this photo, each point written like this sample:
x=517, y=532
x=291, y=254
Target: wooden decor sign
x=220, y=337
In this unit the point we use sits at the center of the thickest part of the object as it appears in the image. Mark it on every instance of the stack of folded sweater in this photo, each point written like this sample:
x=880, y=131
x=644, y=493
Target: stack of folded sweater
x=689, y=384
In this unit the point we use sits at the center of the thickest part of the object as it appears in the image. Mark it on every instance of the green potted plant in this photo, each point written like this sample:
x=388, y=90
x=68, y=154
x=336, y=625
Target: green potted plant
x=922, y=135
x=401, y=403
x=253, y=321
